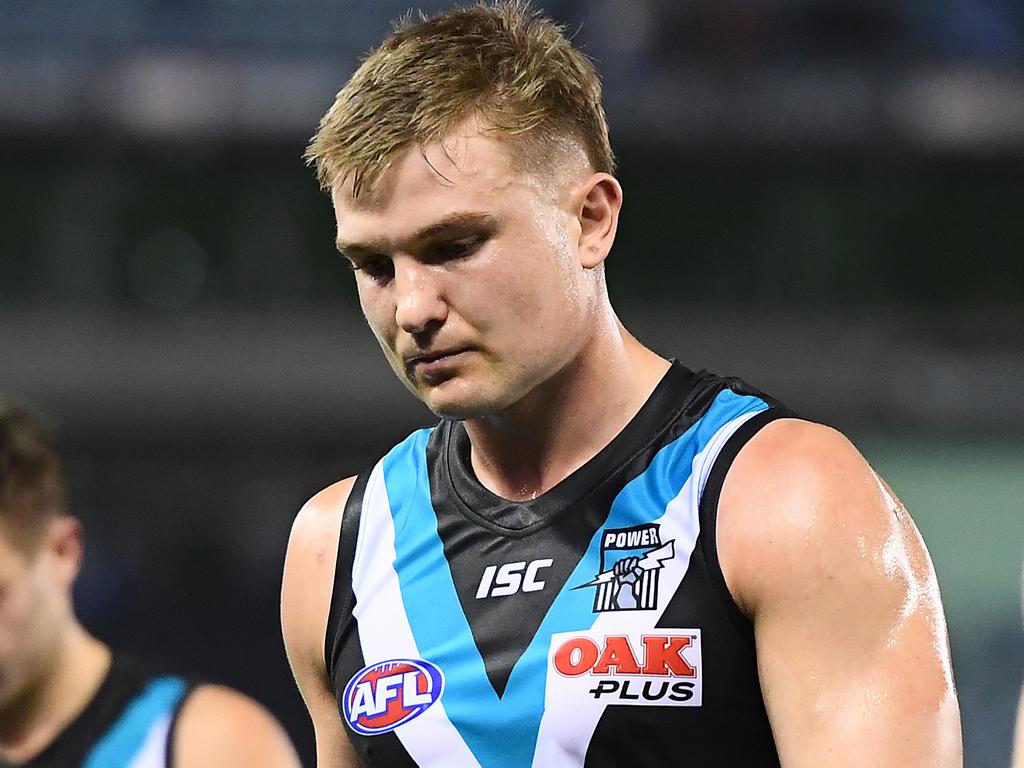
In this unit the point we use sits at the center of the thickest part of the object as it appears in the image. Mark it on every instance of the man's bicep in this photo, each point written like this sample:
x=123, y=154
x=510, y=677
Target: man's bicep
x=1018, y=739
x=332, y=745
x=306, y=589
x=851, y=637
x=333, y=749
x=860, y=670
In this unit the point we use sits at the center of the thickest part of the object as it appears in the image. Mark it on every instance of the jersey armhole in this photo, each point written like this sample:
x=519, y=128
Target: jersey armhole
x=172, y=728
x=339, y=616
x=708, y=511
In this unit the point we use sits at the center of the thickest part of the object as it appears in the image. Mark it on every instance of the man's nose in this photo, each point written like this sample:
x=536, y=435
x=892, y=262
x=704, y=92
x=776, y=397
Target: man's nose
x=419, y=302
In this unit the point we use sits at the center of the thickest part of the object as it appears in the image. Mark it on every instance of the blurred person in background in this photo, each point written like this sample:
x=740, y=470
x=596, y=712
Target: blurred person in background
x=598, y=557
x=67, y=700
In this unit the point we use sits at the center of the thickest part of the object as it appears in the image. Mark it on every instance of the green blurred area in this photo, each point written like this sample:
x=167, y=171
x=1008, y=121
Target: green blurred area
x=967, y=497
x=733, y=229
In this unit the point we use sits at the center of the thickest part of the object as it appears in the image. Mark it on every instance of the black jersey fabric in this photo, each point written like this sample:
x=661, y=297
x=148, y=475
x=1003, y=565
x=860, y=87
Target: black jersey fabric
x=590, y=627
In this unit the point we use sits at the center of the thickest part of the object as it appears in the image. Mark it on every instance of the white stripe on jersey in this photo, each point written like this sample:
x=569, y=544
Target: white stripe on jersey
x=384, y=631
x=153, y=751
x=570, y=719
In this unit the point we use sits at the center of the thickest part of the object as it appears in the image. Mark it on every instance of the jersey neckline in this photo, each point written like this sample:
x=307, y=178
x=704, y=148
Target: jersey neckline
x=520, y=518
x=90, y=721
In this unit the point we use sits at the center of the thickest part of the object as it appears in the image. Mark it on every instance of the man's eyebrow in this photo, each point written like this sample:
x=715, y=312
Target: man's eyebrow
x=455, y=223
x=345, y=248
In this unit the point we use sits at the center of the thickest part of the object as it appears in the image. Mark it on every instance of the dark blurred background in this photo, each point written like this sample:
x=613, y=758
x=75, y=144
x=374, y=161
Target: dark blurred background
x=825, y=197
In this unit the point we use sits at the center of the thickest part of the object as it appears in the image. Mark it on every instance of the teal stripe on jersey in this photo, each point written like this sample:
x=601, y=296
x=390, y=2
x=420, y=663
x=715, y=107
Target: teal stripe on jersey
x=669, y=470
x=128, y=735
x=440, y=627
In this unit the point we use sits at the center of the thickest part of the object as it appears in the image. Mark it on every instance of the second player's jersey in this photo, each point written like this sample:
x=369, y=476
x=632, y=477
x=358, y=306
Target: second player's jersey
x=588, y=628
x=128, y=724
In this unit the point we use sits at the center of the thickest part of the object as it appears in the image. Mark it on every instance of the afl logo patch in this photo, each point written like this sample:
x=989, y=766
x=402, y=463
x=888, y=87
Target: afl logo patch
x=383, y=696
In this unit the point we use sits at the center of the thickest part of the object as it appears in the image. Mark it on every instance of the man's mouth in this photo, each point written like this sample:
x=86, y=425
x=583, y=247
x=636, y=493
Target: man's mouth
x=426, y=359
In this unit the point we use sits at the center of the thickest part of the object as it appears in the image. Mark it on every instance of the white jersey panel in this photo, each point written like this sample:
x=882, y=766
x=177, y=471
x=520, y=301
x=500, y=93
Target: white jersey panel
x=385, y=633
x=153, y=751
x=571, y=712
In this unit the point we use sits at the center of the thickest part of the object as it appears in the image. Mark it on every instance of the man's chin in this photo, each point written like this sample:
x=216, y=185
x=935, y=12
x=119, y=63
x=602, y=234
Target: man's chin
x=454, y=407
x=453, y=411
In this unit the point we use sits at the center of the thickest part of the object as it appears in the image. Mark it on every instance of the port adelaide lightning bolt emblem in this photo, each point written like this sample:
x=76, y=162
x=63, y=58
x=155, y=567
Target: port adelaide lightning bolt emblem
x=631, y=561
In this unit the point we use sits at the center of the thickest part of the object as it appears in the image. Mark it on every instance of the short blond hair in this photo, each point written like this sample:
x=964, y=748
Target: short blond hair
x=503, y=62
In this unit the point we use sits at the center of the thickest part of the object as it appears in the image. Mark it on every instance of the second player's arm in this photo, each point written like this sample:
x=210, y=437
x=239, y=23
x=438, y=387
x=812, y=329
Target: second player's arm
x=221, y=727
x=305, y=603
x=850, y=632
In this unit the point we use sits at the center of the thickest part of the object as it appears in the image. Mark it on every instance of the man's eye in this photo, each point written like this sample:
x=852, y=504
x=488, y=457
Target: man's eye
x=455, y=249
x=376, y=269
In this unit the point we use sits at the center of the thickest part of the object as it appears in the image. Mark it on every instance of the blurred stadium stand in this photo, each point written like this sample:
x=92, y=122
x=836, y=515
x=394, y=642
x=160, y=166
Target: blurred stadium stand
x=781, y=73
x=823, y=197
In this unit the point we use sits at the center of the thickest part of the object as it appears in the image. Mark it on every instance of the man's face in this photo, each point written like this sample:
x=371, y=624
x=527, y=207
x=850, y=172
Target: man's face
x=32, y=609
x=468, y=275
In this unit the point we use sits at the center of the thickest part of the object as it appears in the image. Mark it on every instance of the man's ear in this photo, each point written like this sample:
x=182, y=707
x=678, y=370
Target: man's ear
x=600, y=200
x=65, y=548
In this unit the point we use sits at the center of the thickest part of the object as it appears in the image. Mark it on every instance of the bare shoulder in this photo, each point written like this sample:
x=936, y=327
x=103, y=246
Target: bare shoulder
x=306, y=589
x=801, y=501
x=220, y=726
x=317, y=525
x=310, y=562
x=851, y=639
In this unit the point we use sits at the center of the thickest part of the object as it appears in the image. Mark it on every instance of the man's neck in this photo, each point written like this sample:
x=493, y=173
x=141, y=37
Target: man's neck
x=523, y=453
x=53, y=701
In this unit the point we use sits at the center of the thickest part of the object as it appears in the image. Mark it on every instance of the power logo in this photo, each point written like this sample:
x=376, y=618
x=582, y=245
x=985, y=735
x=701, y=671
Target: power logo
x=383, y=696
x=631, y=561
x=658, y=668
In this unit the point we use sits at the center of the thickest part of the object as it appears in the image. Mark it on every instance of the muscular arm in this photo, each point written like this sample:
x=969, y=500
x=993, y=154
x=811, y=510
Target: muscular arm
x=1018, y=740
x=851, y=637
x=305, y=602
x=219, y=726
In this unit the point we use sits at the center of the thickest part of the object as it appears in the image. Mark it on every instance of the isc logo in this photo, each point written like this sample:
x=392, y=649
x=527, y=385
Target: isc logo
x=499, y=581
x=383, y=696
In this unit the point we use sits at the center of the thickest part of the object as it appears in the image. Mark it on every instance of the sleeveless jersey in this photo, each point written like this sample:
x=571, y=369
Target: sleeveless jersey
x=128, y=724
x=588, y=628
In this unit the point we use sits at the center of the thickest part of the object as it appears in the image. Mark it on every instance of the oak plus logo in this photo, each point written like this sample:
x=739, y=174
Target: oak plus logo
x=510, y=578
x=631, y=561
x=657, y=668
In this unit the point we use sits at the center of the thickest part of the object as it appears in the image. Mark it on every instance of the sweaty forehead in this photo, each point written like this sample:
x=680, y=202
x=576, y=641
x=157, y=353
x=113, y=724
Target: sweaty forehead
x=466, y=173
x=465, y=162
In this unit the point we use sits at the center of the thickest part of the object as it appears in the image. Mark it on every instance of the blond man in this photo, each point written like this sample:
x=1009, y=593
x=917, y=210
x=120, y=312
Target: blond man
x=65, y=699
x=598, y=557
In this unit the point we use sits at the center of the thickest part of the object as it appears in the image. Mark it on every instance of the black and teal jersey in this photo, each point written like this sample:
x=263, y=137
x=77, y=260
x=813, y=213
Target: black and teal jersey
x=129, y=723
x=590, y=627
